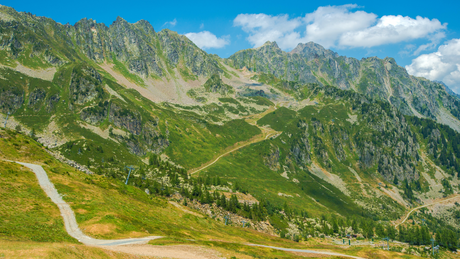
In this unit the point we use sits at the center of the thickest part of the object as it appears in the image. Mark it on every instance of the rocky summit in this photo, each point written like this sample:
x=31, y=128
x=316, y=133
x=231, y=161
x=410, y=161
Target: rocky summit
x=372, y=77
x=143, y=135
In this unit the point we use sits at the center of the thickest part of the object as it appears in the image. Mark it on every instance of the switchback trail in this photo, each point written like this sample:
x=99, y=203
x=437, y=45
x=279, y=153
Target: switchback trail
x=68, y=215
x=423, y=206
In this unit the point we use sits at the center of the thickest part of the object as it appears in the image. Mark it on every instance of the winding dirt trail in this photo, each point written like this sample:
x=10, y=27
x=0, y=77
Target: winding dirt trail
x=308, y=251
x=426, y=205
x=261, y=137
x=251, y=119
x=138, y=246
x=68, y=215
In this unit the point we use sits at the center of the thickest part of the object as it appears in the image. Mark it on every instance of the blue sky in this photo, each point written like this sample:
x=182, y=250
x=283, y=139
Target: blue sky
x=420, y=35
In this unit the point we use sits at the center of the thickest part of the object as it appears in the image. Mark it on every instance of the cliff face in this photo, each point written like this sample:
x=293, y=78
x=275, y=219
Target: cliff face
x=377, y=78
x=85, y=85
x=139, y=48
x=91, y=118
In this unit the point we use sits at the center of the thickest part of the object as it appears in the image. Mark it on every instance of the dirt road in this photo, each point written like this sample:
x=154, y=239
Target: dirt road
x=136, y=246
x=68, y=215
x=308, y=251
x=423, y=206
x=252, y=119
x=210, y=163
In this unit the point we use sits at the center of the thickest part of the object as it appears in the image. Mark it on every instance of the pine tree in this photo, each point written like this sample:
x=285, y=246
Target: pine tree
x=223, y=201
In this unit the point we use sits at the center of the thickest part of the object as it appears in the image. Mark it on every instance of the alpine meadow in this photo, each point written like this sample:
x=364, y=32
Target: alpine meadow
x=123, y=141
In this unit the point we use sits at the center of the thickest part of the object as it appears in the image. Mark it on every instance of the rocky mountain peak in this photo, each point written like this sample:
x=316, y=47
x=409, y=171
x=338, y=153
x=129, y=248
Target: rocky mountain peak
x=119, y=20
x=146, y=26
x=270, y=45
x=85, y=22
x=313, y=50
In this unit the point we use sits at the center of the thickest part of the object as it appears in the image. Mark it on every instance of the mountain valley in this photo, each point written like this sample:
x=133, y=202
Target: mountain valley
x=144, y=134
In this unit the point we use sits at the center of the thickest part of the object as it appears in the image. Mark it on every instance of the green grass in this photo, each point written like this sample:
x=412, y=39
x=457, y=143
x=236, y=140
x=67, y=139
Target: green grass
x=248, y=165
x=193, y=145
x=35, y=62
x=261, y=101
x=26, y=213
x=278, y=119
x=229, y=100
x=31, y=249
x=37, y=116
x=187, y=75
x=6, y=59
x=104, y=208
x=192, y=140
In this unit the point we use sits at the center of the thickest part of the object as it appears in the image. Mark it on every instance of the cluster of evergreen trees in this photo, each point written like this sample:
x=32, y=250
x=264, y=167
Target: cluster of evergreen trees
x=200, y=193
x=414, y=235
x=203, y=190
x=446, y=148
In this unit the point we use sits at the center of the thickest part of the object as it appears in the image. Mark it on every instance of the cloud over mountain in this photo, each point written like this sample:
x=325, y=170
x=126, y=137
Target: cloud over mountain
x=262, y=28
x=336, y=26
x=329, y=23
x=207, y=40
x=172, y=23
x=391, y=29
x=442, y=65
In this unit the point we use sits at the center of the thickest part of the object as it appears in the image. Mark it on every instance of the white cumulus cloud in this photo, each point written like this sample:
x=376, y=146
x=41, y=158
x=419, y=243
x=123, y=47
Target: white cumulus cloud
x=392, y=29
x=434, y=41
x=443, y=65
x=207, y=40
x=339, y=26
x=263, y=28
x=329, y=23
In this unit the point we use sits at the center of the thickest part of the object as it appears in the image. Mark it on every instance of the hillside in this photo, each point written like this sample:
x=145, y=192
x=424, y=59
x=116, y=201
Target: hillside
x=307, y=148
x=106, y=208
x=381, y=79
x=161, y=65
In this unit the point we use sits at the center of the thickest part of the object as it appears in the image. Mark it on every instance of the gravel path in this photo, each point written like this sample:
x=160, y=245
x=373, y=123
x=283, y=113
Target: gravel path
x=426, y=205
x=136, y=246
x=308, y=251
x=251, y=119
x=194, y=171
x=69, y=217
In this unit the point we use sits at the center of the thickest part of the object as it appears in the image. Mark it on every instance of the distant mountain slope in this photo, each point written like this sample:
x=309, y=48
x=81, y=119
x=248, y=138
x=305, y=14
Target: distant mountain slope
x=377, y=78
x=164, y=63
x=143, y=51
x=105, y=97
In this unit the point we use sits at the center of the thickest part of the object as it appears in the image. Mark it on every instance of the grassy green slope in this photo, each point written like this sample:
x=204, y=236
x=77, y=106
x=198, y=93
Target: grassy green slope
x=105, y=208
x=27, y=213
x=247, y=166
x=192, y=138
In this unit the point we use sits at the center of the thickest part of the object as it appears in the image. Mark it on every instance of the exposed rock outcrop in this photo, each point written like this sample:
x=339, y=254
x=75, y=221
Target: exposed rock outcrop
x=95, y=114
x=376, y=78
x=124, y=118
x=36, y=98
x=85, y=85
x=11, y=98
x=52, y=101
x=272, y=161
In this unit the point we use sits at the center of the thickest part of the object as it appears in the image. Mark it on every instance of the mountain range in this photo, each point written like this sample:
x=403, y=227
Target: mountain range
x=282, y=136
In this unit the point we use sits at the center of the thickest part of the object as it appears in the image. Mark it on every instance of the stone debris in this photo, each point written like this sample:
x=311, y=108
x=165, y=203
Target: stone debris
x=72, y=163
